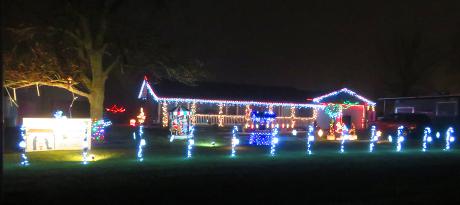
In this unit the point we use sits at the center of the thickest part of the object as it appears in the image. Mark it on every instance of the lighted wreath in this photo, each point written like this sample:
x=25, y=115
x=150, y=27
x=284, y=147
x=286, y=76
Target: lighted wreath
x=333, y=110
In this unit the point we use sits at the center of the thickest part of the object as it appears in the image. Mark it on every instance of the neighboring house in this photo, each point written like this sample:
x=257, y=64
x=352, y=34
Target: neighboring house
x=228, y=105
x=441, y=109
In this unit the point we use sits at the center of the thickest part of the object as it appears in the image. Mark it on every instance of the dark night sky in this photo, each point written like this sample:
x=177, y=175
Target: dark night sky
x=310, y=45
x=313, y=45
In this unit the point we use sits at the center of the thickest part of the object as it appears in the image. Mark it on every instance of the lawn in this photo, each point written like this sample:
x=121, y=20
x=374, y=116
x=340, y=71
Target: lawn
x=166, y=176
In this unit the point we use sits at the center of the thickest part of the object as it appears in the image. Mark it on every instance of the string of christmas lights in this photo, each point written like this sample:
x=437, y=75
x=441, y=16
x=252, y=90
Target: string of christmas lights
x=400, y=138
x=145, y=84
x=22, y=146
x=142, y=143
x=310, y=138
x=449, y=137
x=164, y=109
x=235, y=140
x=426, y=138
x=85, y=148
x=372, y=139
x=345, y=136
x=343, y=90
x=98, y=130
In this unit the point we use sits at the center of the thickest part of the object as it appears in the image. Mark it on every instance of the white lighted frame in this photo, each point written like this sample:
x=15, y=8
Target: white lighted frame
x=399, y=109
x=46, y=134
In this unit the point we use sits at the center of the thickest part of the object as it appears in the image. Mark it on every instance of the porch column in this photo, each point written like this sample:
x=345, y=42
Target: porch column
x=292, y=116
x=165, y=114
x=193, y=113
x=221, y=115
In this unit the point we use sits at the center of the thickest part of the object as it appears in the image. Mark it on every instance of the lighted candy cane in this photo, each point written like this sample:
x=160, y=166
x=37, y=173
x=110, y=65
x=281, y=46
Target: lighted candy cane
x=235, y=140
x=191, y=142
x=344, y=137
x=400, y=138
x=142, y=143
x=85, y=148
x=449, y=137
x=426, y=138
x=274, y=141
x=310, y=138
x=22, y=146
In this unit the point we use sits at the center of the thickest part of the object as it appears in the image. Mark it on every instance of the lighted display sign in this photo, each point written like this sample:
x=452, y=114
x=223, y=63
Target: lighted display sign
x=46, y=134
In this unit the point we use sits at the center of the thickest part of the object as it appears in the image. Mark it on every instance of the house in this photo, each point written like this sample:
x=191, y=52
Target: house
x=228, y=105
x=442, y=109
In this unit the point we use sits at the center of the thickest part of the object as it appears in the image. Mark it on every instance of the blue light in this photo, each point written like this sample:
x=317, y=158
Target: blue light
x=449, y=137
x=235, y=140
x=22, y=145
x=373, y=139
x=310, y=138
x=85, y=147
x=426, y=138
x=274, y=141
x=345, y=136
x=400, y=138
x=190, y=142
x=142, y=143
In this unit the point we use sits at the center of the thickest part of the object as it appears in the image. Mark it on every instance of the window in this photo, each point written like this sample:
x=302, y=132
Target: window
x=404, y=110
x=446, y=109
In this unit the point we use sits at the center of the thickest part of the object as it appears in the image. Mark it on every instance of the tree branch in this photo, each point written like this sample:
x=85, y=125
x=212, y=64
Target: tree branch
x=112, y=66
x=62, y=85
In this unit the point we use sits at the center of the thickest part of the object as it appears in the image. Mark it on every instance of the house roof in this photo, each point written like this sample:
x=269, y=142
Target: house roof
x=343, y=95
x=225, y=93
x=422, y=97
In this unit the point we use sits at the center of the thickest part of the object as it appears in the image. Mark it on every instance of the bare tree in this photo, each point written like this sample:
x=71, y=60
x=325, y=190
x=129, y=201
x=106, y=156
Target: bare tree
x=77, y=54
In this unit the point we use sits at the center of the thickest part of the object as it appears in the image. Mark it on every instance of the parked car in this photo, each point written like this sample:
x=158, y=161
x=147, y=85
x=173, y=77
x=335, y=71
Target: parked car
x=413, y=124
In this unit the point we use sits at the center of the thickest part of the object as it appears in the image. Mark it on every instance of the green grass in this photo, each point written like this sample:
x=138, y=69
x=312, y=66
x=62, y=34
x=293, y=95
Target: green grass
x=166, y=176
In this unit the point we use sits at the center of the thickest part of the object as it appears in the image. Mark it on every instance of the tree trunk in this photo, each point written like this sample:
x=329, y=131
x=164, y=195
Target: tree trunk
x=96, y=98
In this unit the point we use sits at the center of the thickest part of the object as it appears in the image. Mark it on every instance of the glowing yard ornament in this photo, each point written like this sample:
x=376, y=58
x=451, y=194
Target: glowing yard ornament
x=345, y=136
x=294, y=132
x=320, y=133
x=438, y=135
x=235, y=140
x=449, y=137
x=141, y=116
x=373, y=139
x=426, y=138
x=390, y=138
x=275, y=141
x=59, y=115
x=310, y=138
x=85, y=148
x=191, y=142
x=400, y=138
x=22, y=146
x=142, y=143
x=98, y=129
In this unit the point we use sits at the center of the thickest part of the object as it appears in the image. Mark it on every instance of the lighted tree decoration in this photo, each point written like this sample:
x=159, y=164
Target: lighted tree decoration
x=98, y=130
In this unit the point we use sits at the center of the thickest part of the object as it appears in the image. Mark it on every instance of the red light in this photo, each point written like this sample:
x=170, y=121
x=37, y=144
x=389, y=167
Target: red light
x=114, y=109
